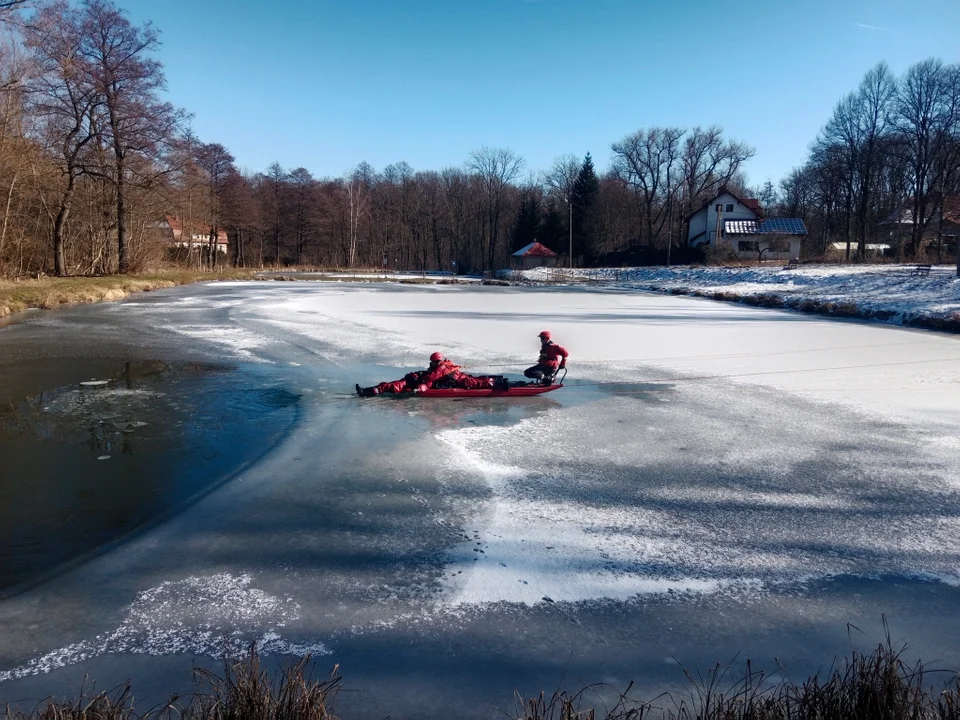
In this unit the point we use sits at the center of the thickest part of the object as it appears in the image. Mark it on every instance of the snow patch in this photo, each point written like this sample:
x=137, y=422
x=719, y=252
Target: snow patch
x=215, y=615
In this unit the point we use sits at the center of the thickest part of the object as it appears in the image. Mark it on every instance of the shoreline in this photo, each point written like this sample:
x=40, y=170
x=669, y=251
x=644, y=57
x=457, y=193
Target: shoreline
x=842, y=309
x=48, y=293
x=888, y=294
x=51, y=292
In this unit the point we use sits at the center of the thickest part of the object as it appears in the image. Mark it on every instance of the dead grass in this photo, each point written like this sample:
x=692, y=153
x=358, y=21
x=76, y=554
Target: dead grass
x=52, y=292
x=881, y=685
x=245, y=691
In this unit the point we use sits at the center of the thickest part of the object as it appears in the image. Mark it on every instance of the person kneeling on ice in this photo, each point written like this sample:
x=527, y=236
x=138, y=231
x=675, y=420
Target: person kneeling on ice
x=552, y=358
x=441, y=373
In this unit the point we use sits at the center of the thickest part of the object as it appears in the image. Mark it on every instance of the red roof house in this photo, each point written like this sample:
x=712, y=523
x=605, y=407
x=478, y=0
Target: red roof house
x=534, y=255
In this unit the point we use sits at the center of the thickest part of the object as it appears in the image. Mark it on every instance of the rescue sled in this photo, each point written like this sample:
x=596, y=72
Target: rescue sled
x=513, y=391
x=516, y=389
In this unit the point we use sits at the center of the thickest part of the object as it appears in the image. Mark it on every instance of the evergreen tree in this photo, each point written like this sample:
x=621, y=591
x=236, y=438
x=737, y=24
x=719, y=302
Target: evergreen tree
x=527, y=223
x=586, y=190
x=553, y=229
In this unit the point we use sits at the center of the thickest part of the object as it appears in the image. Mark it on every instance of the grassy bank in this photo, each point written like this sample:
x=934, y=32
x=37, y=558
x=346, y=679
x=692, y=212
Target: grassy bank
x=881, y=685
x=51, y=292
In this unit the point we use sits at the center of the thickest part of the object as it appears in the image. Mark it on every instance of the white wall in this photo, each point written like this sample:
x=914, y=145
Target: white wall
x=708, y=216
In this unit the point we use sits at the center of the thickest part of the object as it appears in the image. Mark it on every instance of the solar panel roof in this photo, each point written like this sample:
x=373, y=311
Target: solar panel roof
x=770, y=226
x=791, y=226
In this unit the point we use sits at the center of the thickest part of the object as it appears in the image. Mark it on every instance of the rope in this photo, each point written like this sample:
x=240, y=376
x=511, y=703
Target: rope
x=726, y=356
x=768, y=372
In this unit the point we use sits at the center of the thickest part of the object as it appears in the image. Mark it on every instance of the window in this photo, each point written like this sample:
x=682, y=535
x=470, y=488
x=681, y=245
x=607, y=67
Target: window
x=729, y=207
x=719, y=207
x=747, y=246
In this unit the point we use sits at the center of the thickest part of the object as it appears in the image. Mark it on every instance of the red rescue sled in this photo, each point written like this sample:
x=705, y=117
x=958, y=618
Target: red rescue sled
x=521, y=391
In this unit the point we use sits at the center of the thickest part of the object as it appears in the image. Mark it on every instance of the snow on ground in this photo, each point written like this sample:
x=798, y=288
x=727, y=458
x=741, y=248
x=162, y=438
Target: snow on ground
x=893, y=293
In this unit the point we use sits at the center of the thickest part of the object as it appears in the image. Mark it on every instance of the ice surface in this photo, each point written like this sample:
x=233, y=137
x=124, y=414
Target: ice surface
x=704, y=461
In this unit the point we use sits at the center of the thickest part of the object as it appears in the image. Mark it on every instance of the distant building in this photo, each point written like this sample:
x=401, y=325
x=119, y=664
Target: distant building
x=171, y=228
x=839, y=249
x=744, y=231
x=897, y=228
x=533, y=255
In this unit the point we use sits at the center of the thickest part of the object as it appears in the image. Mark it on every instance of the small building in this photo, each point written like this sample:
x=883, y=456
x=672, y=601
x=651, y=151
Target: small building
x=897, y=228
x=744, y=231
x=839, y=249
x=532, y=256
x=198, y=235
x=768, y=239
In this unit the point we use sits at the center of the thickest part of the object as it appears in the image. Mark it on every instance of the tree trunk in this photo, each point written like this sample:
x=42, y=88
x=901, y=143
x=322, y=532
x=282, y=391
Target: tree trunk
x=59, y=260
x=6, y=213
x=123, y=258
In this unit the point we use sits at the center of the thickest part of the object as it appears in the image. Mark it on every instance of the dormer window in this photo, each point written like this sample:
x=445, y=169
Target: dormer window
x=729, y=207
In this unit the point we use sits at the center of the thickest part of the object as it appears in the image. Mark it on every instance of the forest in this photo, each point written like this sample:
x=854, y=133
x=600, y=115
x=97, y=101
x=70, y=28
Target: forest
x=100, y=174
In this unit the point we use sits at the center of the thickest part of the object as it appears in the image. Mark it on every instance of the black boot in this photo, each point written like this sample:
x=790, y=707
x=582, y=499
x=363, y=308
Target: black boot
x=359, y=390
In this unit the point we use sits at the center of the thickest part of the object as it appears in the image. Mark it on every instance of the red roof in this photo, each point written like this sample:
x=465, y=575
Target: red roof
x=753, y=204
x=199, y=230
x=535, y=249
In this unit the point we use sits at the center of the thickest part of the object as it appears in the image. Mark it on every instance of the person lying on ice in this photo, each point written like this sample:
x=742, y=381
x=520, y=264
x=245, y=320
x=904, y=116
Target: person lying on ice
x=441, y=373
x=552, y=358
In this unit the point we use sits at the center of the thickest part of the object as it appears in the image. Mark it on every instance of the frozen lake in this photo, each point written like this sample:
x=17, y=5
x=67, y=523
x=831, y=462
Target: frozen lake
x=713, y=480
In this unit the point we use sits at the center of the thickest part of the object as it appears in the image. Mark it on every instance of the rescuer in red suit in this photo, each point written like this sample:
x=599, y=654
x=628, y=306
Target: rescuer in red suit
x=442, y=372
x=552, y=358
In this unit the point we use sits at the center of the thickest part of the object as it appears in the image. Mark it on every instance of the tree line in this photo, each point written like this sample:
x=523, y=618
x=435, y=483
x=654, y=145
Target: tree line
x=890, y=151
x=95, y=168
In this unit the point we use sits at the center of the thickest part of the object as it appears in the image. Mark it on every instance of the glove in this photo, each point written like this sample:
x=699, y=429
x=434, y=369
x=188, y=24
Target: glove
x=420, y=388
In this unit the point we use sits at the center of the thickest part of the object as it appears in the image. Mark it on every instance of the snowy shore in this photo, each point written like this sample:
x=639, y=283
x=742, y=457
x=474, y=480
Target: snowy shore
x=887, y=293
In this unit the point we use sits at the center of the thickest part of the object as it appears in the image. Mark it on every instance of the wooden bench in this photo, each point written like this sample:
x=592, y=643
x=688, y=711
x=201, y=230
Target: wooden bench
x=793, y=263
x=921, y=269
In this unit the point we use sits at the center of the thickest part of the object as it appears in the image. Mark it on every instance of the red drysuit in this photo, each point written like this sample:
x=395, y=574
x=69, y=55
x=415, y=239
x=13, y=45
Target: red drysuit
x=447, y=369
x=552, y=356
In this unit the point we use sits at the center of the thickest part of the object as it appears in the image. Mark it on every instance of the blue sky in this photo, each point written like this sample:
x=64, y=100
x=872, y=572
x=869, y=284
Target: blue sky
x=326, y=85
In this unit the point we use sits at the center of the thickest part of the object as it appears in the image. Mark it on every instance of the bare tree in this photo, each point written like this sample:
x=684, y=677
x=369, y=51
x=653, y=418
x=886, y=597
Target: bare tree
x=709, y=162
x=559, y=179
x=495, y=168
x=240, y=213
x=276, y=178
x=358, y=188
x=647, y=161
x=138, y=122
x=218, y=164
x=875, y=98
x=923, y=116
x=64, y=96
x=302, y=182
x=17, y=151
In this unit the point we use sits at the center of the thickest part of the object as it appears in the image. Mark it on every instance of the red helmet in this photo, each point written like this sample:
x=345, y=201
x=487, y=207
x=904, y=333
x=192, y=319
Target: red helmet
x=436, y=357
x=545, y=334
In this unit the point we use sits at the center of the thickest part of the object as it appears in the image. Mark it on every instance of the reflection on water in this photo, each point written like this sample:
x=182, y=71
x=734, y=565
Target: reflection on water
x=87, y=463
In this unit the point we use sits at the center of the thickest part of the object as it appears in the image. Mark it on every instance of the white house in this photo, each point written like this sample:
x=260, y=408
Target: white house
x=198, y=236
x=744, y=231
